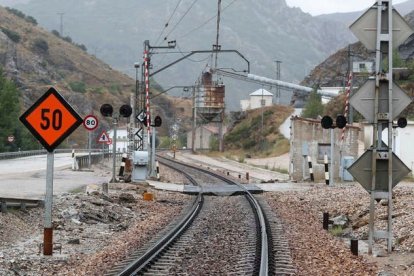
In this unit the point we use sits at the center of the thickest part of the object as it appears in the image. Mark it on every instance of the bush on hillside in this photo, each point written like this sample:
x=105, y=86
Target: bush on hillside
x=15, y=37
x=78, y=86
x=56, y=33
x=20, y=14
x=40, y=45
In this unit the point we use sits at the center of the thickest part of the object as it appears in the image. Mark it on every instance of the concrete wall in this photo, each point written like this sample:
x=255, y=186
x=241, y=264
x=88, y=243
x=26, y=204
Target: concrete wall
x=403, y=138
x=309, y=138
x=121, y=139
x=202, y=138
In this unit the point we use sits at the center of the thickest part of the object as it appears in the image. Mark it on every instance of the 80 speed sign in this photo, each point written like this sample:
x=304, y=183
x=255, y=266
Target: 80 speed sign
x=90, y=122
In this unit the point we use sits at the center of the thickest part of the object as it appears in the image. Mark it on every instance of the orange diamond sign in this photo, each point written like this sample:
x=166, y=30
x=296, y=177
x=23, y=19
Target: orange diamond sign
x=51, y=119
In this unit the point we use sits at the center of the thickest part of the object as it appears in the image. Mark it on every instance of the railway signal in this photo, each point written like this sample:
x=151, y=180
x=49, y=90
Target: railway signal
x=381, y=29
x=108, y=111
x=327, y=122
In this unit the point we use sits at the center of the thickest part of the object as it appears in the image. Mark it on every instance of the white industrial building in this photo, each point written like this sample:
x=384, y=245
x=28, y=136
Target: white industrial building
x=258, y=98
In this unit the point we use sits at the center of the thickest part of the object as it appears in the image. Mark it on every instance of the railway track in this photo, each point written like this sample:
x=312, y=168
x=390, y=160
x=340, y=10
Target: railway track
x=215, y=236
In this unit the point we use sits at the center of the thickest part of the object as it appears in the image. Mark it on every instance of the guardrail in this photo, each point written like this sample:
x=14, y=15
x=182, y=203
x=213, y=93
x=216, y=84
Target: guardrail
x=19, y=154
x=83, y=161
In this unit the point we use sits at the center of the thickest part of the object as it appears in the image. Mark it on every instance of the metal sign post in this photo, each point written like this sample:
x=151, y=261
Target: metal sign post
x=114, y=123
x=48, y=228
x=50, y=119
x=380, y=29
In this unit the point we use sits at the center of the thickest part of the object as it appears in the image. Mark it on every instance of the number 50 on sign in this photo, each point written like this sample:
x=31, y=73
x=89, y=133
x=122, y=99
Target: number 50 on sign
x=51, y=119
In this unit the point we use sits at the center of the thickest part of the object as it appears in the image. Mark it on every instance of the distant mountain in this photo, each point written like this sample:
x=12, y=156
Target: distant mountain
x=262, y=30
x=332, y=72
x=349, y=17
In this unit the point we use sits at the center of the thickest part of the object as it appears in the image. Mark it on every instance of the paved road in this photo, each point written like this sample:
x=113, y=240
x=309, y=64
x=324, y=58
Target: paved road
x=26, y=177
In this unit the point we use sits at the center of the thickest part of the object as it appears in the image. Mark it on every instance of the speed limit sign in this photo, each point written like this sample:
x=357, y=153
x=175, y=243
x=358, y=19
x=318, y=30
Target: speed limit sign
x=90, y=122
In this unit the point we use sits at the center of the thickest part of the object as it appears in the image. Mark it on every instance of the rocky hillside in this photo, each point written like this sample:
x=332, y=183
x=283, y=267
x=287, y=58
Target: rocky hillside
x=36, y=59
x=333, y=71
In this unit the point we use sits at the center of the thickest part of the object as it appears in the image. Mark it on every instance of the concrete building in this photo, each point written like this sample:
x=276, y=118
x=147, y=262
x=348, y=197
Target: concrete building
x=308, y=138
x=258, y=98
x=403, y=138
x=203, y=137
x=121, y=139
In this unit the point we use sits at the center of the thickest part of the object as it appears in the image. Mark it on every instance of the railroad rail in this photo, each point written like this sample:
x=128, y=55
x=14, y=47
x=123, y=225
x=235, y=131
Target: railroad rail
x=147, y=262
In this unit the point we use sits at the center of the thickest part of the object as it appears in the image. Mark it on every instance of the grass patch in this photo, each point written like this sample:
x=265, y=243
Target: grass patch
x=78, y=190
x=336, y=231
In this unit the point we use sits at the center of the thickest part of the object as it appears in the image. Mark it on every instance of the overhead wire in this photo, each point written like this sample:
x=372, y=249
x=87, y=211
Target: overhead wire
x=181, y=19
x=207, y=21
x=168, y=21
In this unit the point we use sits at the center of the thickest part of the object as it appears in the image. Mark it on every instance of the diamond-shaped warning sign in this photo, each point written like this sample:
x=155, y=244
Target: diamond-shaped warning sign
x=361, y=170
x=51, y=119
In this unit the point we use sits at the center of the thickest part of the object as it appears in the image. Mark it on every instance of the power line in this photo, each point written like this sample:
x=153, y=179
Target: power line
x=168, y=21
x=207, y=21
x=182, y=17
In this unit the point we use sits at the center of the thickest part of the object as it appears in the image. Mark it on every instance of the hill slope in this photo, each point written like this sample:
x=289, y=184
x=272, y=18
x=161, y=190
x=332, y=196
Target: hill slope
x=36, y=59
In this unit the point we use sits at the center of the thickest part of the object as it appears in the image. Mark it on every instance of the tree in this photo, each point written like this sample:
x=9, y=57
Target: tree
x=313, y=106
x=9, y=123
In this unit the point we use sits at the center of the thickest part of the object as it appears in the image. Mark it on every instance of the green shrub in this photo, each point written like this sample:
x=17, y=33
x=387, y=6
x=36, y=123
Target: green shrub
x=20, y=14
x=82, y=47
x=214, y=144
x=31, y=20
x=56, y=33
x=16, y=12
x=78, y=86
x=15, y=37
x=40, y=45
x=115, y=87
x=67, y=38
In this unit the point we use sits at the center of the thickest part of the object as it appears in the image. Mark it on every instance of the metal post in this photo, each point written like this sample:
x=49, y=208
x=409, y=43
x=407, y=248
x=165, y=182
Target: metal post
x=376, y=142
x=114, y=123
x=354, y=247
x=153, y=168
x=193, y=134
x=390, y=116
x=278, y=62
x=48, y=229
x=331, y=171
x=89, y=148
x=325, y=221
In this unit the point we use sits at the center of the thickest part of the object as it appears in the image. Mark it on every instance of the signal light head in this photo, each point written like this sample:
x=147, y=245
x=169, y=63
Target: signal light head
x=106, y=110
x=326, y=122
x=402, y=122
x=341, y=121
x=125, y=110
x=157, y=121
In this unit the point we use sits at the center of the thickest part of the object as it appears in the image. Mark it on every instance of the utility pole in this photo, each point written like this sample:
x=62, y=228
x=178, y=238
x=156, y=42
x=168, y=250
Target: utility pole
x=350, y=71
x=278, y=62
x=61, y=22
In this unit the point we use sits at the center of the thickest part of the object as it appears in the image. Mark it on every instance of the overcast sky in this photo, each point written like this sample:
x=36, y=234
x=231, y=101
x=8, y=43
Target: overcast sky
x=316, y=7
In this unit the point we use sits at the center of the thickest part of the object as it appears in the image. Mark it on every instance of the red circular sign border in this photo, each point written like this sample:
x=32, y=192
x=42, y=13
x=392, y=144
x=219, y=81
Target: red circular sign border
x=87, y=117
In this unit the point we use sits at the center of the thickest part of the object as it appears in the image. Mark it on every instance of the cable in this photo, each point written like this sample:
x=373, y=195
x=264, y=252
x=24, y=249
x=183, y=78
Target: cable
x=183, y=54
x=182, y=17
x=168, y=21
x=208, y=21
